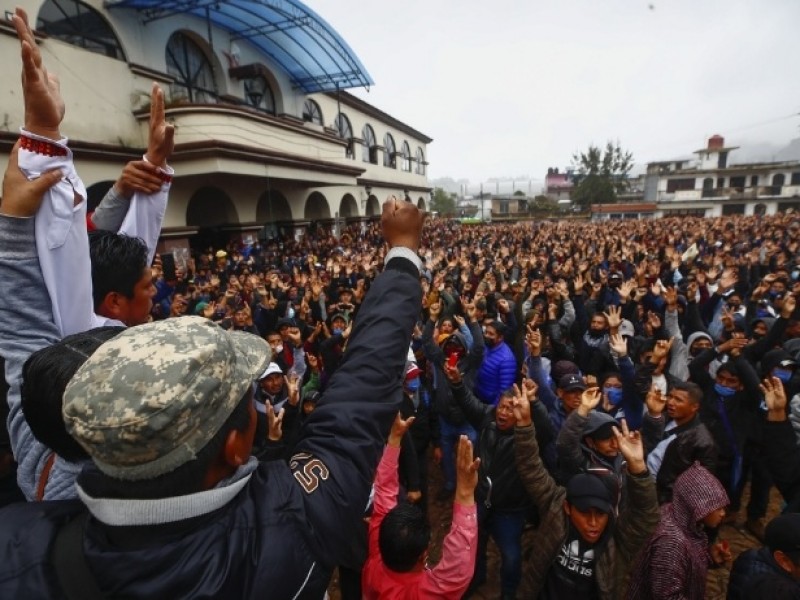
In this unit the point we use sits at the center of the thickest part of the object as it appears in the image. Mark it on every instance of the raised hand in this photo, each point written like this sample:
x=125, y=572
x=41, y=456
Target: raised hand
x=522, y=411
x=138, y=176
x=161, y=140
x=22, y=198
x=402, y=223
x=775, y=398
x=275, y=423
x=655, y=401
x=529, y=390
x=466, y=472
x=44, y=107
x=534, y=341
x=452, y=373
x=589, y=400
x=631, y=448
x=671, y=298
x=399, y=428
x=625, y=290
x=788, y=306
x=293, y=388
x=661, y=350
x=618, y=345
x=614, y=317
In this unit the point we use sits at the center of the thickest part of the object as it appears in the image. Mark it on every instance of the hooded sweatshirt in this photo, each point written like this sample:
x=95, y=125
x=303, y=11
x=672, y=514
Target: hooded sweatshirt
x=675, y=561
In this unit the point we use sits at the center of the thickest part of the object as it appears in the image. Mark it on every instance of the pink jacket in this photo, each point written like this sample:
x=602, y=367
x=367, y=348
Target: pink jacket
x=448, y=579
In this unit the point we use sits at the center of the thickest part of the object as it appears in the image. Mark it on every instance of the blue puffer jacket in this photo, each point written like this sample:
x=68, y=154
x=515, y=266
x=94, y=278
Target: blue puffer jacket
x=497, y=373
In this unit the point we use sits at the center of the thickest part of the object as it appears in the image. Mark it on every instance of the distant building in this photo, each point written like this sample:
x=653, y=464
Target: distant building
x=711, y=186
x=558, y=185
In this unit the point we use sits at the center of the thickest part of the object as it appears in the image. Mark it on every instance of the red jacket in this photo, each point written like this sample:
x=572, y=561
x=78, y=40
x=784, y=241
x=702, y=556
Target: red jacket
x=448, y=579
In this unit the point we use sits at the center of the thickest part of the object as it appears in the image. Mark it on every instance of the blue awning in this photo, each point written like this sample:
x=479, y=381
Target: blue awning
x=297, y=39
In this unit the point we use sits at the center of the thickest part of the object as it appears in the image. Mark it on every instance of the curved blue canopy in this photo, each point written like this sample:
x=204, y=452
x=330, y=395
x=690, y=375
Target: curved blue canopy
x=302, y=43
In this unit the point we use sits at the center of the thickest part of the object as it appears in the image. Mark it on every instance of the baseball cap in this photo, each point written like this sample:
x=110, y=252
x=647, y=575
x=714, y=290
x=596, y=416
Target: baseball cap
x=783, y=533
x=599, y=425
x=272, y=368
x=570, y=382
x=221, y=254
x=148, y=400
x=586, y=491
x=626, y=328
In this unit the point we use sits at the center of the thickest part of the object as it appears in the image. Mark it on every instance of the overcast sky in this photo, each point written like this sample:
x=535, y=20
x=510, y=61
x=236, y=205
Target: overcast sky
x=510, y=87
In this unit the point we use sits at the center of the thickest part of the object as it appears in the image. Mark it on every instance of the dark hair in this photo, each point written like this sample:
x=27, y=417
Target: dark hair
x=186, y=479
x=730, y=368
x=45, y=376
x=118, y=261
x=608, y=375
x=404, y=536
x=695, y=391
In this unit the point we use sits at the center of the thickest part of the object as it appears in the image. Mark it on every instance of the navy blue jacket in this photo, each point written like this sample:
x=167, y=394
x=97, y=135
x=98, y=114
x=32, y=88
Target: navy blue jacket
x=282, y=535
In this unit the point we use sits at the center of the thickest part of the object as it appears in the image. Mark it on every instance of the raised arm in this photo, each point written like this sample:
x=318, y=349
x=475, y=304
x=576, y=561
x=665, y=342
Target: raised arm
x=342, y=440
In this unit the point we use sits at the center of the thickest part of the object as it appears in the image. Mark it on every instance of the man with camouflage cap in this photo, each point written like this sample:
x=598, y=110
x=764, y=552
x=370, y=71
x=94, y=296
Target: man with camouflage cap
x=174, y=505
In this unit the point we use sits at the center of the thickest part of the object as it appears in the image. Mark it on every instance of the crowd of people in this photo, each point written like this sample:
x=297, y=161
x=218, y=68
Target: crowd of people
x=225, y=427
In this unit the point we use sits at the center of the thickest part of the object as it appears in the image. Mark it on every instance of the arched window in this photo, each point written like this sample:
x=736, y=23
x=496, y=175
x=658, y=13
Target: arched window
x=406, y=157
x=420, y=162
x=76, y=23
x=369, y=153
x=259, y=94
x=345, y=131
x=312, y=112
x=389, y=159
x=194, y=76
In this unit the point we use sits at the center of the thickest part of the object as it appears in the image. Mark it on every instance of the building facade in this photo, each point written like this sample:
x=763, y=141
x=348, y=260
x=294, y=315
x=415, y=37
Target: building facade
x=710, y=186
x=266, y=136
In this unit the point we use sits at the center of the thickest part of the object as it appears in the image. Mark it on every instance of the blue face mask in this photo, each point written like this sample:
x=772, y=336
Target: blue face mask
x=337, y=330
x=614, y=395
x=413, y=384
x=783, y=374
x=724, y=390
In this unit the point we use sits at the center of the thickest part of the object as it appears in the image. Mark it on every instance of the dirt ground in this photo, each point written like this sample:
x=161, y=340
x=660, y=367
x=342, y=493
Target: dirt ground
x=717, y=583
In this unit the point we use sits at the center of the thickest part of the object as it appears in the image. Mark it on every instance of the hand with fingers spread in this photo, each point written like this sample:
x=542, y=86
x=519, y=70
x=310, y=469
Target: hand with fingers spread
x=44, y=107
x=275, y=423
x=466, y=472
x=631, y=448
x=625, y=290
x=774, y=398
x=661, y=350
x=399, y=428
x=590, y=398
x=618, y=345
x=614, y=317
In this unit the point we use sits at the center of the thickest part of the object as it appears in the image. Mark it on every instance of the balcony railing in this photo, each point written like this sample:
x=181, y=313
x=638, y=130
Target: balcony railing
x=728, y=193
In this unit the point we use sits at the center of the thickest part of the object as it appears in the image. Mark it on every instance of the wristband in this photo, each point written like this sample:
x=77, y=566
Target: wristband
x=41, y=147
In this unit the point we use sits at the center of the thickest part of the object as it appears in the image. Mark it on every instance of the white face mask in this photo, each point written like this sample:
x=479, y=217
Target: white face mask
x=278, y=348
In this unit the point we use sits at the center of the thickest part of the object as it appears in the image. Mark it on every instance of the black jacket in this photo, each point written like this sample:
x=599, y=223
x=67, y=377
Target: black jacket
x=782, y=457
x=755, y=575
x=283, y=533
x=693, y=442
x=496, y=451
x=444, y=403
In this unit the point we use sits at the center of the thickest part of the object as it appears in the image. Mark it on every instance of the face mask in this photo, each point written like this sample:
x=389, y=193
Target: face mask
x=783, y=374
x=278, y=348
x=337, y=330
x=413, y=384
x=596, y=334
x=614, y=395
x=724, y=390
x=290, y=313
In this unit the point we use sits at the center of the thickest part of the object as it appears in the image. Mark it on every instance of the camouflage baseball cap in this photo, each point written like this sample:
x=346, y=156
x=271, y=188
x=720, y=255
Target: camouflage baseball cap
x=148, y=400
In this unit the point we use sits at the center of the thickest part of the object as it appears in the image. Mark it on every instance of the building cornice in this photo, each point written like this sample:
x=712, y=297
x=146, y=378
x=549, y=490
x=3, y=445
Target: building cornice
x=354, y=102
